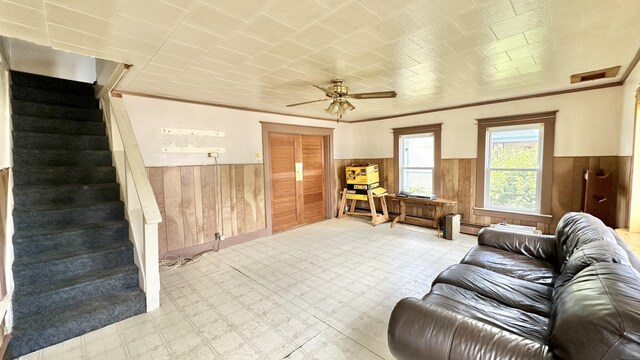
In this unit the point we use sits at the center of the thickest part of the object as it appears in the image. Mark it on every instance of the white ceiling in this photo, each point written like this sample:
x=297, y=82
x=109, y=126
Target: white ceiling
x=266, y=54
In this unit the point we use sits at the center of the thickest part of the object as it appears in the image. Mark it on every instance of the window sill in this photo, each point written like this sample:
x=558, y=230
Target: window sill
x=522, y=216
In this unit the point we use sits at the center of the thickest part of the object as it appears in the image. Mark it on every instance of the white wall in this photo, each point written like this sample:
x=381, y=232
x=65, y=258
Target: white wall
x=43, y=60
x=588, y=124
x=243, y=131
x=628, y=111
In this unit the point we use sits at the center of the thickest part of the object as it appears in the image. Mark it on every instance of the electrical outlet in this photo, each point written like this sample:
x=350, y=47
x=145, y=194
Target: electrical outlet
x=259, y=157
x=219, y=236
x=213, y=155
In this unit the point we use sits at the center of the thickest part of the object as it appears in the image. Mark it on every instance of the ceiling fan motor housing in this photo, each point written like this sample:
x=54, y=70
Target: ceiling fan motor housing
x=338, y=88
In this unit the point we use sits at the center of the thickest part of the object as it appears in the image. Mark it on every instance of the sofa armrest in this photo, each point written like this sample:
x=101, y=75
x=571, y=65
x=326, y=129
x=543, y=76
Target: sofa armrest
x=418, y=330
x=532, y=245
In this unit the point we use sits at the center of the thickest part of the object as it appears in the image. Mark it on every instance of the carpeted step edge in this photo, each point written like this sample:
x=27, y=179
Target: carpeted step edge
x=53, y=97
x=40, y=331
x=31, y=301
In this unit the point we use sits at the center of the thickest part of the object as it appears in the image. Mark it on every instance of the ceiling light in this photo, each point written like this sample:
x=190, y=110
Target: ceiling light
x=334, y=108
x=346, y=106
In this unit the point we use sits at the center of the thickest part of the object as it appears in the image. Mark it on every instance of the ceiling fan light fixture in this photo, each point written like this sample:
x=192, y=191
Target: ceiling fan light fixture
x=346, y=106
x=334, y=108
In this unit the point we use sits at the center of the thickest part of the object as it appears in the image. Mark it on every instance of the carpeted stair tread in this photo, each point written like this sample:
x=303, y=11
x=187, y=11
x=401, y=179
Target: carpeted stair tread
x=36, y=140
x=77, y=291
x=62, y=175
x=75, y=266
x=37, y=109
x=53, y=97
x=33, y=157
x=26, y=235
x=20, y=78
x=58, y=207
x=58, y=216
x=57, y=126
x=82, y=238
x=43, y=330
x=65, y=194
x=70, y=254
x=97, y=277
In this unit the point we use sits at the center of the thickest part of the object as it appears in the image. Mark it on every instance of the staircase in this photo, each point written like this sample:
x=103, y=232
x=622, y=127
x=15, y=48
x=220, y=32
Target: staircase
x=74, y=270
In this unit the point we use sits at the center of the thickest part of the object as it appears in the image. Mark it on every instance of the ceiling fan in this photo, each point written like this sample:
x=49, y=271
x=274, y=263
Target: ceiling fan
x=339, y=95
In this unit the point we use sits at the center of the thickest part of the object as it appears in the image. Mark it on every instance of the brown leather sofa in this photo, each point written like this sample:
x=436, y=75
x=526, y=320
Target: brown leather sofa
x=575, y=295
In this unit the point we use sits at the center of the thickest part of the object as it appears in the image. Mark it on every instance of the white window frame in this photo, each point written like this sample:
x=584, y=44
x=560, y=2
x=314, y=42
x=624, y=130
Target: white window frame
x=488, y=169
x=401, y=154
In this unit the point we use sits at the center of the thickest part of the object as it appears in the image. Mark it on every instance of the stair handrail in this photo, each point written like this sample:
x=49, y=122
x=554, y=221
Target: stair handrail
x=150, y=208
x=140, y=203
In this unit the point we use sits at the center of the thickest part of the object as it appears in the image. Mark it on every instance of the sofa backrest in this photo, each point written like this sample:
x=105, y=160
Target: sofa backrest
x=577, y=229
x=587, y=255
x=596, y=315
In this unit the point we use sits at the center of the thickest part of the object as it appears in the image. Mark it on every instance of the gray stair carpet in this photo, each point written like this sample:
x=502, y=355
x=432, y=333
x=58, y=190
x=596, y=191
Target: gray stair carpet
x=74, y=270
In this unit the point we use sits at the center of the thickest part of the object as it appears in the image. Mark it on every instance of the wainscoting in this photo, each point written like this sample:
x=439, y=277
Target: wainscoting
x=193, y=210
x=459, y=178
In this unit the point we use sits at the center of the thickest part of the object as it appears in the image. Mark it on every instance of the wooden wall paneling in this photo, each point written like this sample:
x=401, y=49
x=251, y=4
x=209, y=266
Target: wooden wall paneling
x=238, y=180
x=248, y=196
x=622, y=201
x=225, y=200
x=188, y=206
x=173, y=208
x=197, y=191
x=472, y=190
x=209, y=203
x=157, y=184
x=261, y=221
x=466, y=189
x=580, y=165
x=561, y=189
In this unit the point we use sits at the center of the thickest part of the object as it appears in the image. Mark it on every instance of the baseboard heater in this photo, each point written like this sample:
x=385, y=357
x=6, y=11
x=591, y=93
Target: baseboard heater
x=516, y=228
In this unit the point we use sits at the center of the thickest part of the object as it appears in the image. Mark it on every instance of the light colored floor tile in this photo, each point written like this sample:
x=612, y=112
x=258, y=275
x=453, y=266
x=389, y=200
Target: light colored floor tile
x=323, y=291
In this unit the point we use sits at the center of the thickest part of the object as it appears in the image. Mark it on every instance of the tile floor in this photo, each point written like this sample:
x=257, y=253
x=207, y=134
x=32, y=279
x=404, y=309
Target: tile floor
x=323, y=291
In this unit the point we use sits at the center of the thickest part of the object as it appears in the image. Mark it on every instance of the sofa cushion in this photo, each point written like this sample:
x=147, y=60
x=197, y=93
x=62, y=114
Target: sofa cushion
x=520, y=294
x=633, y=258
x=576, y=230
x=511, y=264
x=589, y=254
x=473, y=305
x=597, y=314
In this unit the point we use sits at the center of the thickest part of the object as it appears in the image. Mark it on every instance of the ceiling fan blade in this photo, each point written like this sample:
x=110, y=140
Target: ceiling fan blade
x=326, y=91
x=307, y=102
x=375, y=95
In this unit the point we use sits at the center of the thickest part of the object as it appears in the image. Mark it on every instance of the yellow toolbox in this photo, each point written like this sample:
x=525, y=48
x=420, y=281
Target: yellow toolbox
x=362, y=174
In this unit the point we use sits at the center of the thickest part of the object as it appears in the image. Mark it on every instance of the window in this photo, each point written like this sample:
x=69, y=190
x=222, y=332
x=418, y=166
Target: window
x=417, y=159
x=514, y=167
x=417, y=163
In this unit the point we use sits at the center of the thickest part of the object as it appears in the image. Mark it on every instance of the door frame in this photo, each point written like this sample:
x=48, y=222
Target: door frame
x=329, y=179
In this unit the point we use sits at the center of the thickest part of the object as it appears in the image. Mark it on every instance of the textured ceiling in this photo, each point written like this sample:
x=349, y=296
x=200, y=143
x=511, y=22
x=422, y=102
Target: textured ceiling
x=266, y=54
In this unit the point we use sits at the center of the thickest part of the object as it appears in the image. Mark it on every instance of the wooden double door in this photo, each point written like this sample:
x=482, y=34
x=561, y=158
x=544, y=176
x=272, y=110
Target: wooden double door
x=298, y=190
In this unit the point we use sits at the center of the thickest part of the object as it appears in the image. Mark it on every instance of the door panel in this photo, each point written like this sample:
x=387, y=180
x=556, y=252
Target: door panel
x=297, y=202
x=283, y=181
x=313, y=180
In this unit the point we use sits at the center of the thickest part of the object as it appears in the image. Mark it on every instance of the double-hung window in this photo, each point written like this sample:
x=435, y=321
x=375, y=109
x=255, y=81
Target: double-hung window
x=417, y=162
x=514, y=167
x=417, y=159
